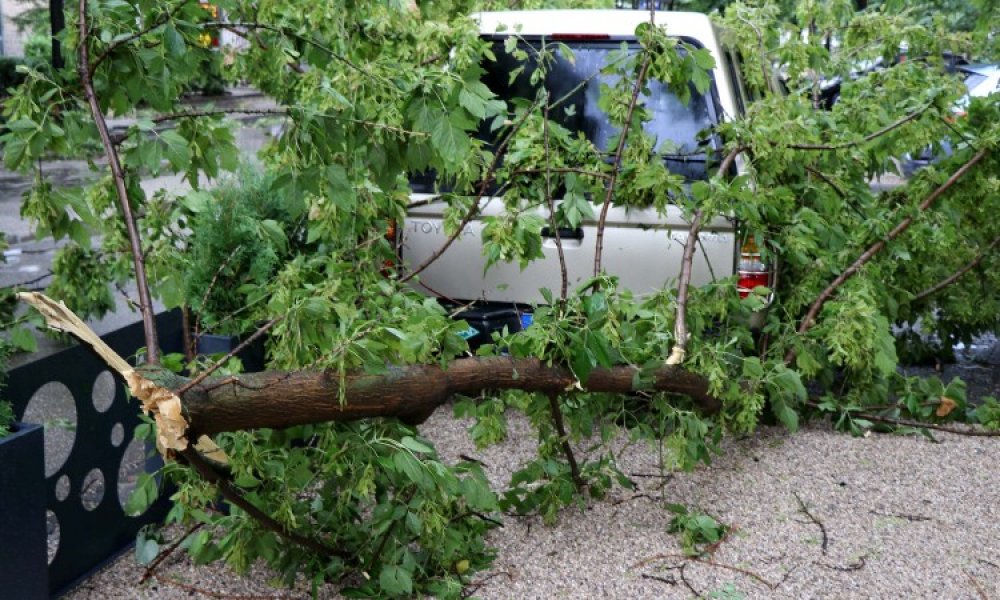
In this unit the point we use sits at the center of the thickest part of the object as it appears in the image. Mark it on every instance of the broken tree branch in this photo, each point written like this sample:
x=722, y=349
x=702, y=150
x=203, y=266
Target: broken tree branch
x=476, y=204
x=875, y=248
x=871, y=136
x=278, y=399
x=617, y=164
x=687, y=266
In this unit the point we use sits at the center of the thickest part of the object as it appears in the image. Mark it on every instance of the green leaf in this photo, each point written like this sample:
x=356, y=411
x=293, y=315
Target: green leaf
x=23, y=339
x=173, y=40
x=412, y=468
x=395, y=581
x=450, y=140
x=472, y=102
x=146, y=550
x=415, y=446
x=22, y=126
x=177, y=151
x=245, y=480
x=752, y=368
x=196, y=201
x=787, y=415
x=143, y=496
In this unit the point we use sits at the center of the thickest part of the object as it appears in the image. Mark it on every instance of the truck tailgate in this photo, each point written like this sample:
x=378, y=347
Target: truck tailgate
x=643, y=249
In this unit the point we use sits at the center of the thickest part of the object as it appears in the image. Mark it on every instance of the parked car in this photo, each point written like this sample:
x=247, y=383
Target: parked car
x=980, y=80
x=641, y=247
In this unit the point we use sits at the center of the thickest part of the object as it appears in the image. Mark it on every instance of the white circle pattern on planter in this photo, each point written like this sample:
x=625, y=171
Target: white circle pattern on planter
x=92, y=489
x=104, y=391
x=117, y=435
x=133, y=463
x=52, y=405
x=63, y=488
x=52, y=526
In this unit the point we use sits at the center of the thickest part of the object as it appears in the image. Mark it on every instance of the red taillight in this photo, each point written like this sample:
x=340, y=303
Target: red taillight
x=751, y=270
x=749, y=281
x=390, y=236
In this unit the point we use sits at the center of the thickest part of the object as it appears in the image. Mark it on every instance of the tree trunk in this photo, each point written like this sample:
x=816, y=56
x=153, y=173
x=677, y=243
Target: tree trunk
x=277, y=399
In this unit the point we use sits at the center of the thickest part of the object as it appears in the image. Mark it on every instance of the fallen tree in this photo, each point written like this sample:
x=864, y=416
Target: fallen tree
x=319, y=455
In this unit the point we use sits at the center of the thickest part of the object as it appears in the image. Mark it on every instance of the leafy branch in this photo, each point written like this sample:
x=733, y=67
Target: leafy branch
x=810, y=318
x=972, y=264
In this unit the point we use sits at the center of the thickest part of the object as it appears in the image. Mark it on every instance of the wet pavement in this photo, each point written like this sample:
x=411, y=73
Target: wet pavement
x=252, y=132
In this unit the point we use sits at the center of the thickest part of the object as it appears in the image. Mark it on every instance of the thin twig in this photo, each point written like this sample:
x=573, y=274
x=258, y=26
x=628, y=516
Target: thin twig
x=118, y=175
x=557, y=419
x=187, y=338
x=812, y=517
x=653, y=475
x=472, y=459
x=979, y=588
x=287, y=32
x=162, y=20
x=475, y=207
x=687, y=583
x=916, y=424
x=166, y=552
x=47, y=274
x=619, y=152
x=211, y=286
x=687, y=268
x=575, y=170
x=855, y=566
x=563, y=273
x=707, y=561
x=192, y=589
x=631, y=498
x=474, y=586
x=836, y=188
x=919, y=425
x=911, y=518
x=233, y=496
x=958, y=274
x=222, y=361
x=667, y=580
x=871, y=136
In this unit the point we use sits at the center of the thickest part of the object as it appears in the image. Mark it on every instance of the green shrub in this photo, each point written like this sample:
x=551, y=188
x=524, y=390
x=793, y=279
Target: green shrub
x=238, y=240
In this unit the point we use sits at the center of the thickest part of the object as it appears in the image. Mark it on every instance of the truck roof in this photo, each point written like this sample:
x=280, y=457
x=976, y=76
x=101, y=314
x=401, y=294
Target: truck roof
x=615, y=23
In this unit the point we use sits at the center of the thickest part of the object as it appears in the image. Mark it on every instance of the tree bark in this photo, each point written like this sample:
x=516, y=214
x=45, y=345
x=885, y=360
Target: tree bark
x=277, y=399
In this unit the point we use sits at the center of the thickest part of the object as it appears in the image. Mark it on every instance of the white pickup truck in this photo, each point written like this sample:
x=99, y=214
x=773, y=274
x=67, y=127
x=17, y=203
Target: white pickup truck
x=641, y=247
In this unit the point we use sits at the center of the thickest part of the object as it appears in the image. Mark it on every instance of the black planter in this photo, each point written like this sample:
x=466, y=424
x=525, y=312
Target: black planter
x=23, y=538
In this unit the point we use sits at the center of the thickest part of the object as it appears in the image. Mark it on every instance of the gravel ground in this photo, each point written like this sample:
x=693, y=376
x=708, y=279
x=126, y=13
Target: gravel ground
x=814, y=514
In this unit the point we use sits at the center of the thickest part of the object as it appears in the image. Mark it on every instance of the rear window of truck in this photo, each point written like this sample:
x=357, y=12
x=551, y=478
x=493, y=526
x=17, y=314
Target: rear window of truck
x=673, y=124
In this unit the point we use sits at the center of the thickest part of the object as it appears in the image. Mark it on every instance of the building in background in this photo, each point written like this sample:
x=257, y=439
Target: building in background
x=11, y=40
